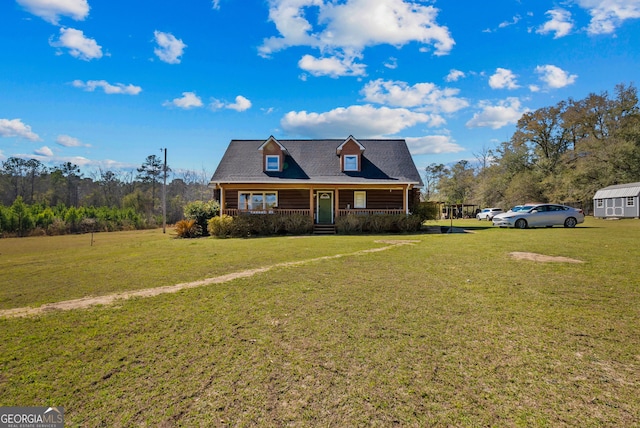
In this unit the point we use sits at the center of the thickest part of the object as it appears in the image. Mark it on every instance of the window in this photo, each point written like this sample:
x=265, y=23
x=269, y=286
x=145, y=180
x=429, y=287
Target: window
x=256, y=201
x=630, y=201
x=599, y=203
x=350, y=162
x=272, y=163
x=360, y=199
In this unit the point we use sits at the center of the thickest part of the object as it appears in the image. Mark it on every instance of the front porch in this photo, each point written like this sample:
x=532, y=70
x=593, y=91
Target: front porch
x=323, y=204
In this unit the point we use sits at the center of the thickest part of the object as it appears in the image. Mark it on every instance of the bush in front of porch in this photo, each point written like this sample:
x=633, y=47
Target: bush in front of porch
x=247, y=225
x=378, y=223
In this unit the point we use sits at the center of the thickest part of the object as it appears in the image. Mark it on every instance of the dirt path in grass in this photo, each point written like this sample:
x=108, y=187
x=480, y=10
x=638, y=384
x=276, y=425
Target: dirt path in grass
x=107, y=299
x=542, y=258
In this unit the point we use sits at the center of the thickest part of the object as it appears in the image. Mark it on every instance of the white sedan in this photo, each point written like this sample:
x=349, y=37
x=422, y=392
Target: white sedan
x=540, y=215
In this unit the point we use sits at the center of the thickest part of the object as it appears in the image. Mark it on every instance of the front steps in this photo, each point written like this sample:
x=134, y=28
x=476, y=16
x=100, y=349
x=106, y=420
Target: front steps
x=324, y=229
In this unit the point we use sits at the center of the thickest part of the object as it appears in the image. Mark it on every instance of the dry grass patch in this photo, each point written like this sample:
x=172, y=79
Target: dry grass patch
x=534, y=257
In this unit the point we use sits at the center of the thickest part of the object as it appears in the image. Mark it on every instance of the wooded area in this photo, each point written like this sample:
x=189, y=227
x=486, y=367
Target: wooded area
x=561, y=153
x=37, y=199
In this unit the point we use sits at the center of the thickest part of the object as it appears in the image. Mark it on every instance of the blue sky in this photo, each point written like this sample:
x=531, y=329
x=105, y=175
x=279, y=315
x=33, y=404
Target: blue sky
x=104, y=84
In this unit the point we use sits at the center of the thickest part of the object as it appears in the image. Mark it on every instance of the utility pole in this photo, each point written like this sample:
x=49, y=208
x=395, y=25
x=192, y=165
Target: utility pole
x=164, y=193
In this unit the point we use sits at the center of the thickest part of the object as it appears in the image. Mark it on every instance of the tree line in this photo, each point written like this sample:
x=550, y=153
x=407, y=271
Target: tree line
x=35, y=198
x=560, y=153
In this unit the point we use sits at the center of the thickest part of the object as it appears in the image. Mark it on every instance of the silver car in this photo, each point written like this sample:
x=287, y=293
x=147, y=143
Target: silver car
x=539, y=215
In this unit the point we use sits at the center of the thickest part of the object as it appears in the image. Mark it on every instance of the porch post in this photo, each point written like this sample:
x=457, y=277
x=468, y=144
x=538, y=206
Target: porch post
x=405, y=197
x=337, y=203
x=222, y=199
x=311, y=207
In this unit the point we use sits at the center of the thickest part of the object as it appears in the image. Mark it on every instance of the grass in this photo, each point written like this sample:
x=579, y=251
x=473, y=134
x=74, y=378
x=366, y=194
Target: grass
x=39, y=270
x=448, y=332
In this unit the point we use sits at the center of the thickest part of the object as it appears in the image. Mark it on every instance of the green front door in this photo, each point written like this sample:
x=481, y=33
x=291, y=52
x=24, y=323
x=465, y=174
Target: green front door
x=325, y=207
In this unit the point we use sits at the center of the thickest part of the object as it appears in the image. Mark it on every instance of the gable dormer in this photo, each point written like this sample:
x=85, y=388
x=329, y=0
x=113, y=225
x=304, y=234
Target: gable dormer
x=272, y=155
x=350, y=153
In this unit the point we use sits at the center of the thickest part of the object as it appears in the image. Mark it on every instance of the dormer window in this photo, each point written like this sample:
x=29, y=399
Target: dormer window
x=350, y=153
x=272, y=163
x=273, y=155
x=351, y=163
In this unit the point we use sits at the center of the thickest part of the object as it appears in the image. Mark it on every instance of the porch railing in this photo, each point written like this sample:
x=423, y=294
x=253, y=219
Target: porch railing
x=369, y=212
x=235, y=212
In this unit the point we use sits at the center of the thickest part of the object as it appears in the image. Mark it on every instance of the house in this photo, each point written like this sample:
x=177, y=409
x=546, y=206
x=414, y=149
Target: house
x=324, y=179
x=621, y=200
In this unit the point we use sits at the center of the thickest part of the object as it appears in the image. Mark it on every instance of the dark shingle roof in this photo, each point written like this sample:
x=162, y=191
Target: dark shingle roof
x=316, y=161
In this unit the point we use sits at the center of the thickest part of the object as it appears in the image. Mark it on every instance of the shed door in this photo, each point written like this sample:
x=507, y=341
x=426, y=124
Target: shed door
x=325, y=207
x=614, y=207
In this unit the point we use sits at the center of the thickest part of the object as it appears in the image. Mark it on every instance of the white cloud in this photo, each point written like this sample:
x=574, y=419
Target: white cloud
x=189, y=100
x=44, y=151
x=424, y=96
x=392, y=63
x=169, y=49
x=331, y=66
x=432, y=144
x=81, y=161
x=216, y=4
x=108, y=88
x=503, y=78
x=514, y=21
x=366, y=121
x=506, y=112
x=79, y=46
x=16, y=128
x=337, y=33
x=68, y=141
x=607, y=15
x=454, y=75
x=241, y=104
x=52, y=10
x=555, y=77
x=560, y=23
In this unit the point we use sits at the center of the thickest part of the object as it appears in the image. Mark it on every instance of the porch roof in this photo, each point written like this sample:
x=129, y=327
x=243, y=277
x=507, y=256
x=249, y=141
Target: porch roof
x=315, y=161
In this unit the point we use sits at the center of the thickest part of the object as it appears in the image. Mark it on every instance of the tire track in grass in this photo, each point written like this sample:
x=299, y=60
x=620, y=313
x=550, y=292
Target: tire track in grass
x=107, y=299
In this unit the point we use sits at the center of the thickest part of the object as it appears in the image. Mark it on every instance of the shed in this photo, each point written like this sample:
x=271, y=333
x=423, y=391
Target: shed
x=620, y=201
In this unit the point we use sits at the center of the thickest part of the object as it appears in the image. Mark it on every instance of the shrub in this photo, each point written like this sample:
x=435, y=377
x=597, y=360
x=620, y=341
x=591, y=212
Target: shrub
x=188, y=229
x=298, y=224
x=425, y=210
x=241, y=226
x=88, y=225
x=221, y=227
x=201, y=212
x=379, y=223
x=58, y=227
x=409, y=223
x=350, y=223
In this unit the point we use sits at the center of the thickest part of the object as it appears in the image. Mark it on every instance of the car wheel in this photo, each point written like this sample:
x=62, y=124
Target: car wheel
x=521, y=224
x=570, y=222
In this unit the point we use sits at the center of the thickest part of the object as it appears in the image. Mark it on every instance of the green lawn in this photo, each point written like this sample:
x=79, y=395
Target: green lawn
x=450, y=331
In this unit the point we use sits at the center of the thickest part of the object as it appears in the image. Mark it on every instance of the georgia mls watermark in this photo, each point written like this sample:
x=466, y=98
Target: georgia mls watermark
x=31, y=417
